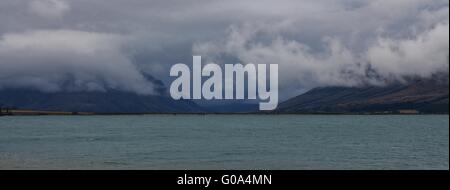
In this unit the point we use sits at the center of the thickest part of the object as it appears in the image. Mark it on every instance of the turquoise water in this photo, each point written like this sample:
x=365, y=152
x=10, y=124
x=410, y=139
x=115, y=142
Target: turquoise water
x=225, y=142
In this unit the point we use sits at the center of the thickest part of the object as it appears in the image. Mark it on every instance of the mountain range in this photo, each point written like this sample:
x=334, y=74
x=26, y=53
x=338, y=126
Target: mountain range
x=418, y=96
x=96, y=102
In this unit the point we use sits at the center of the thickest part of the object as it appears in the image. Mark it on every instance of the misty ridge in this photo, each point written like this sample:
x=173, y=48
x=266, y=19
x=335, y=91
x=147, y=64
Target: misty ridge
x=63, y=46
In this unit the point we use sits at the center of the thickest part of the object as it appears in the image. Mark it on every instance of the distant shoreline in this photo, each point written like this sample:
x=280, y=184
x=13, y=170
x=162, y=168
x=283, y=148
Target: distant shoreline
x=65, y=113
x=17, y=112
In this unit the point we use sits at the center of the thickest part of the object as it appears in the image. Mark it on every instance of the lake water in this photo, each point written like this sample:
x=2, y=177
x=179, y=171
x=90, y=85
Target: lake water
x=225, y=142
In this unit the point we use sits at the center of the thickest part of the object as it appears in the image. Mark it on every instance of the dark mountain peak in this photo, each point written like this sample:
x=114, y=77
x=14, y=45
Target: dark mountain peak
x=159, y=86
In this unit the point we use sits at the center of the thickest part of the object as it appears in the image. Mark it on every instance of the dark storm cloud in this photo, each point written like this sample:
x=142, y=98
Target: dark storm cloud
x=102, y=44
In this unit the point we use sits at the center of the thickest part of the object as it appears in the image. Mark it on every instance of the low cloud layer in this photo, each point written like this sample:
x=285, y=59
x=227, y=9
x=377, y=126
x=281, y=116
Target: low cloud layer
x=90, y=45
x=422, y=55
x=66, y=60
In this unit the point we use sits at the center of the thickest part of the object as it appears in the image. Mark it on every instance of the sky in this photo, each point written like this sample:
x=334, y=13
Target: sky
x=97, y=45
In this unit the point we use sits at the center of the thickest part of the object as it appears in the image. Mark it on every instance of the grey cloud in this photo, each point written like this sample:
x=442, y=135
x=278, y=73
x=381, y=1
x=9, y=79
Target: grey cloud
x=316, y=43
x=385, y=60
x=369, y=44
x=55, y=60
x=51, y=9
x=422, y=56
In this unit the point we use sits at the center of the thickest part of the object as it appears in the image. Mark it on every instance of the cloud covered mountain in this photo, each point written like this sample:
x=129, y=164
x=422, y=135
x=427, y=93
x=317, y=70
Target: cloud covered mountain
x=112, y=45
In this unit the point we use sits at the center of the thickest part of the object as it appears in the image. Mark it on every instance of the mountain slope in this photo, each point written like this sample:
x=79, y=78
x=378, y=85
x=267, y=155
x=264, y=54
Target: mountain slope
x=98, y=102
x=425, y=96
